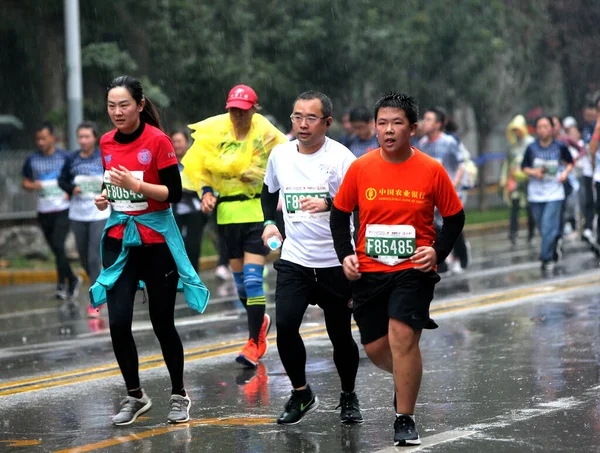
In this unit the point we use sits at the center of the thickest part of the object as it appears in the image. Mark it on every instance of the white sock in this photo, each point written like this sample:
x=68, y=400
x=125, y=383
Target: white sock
x=412, y=416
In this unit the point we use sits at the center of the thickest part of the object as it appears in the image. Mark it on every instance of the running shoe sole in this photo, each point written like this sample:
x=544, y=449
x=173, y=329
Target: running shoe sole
x=352, y=422
x=242, y=360
x=407, y=443
x=142, y=410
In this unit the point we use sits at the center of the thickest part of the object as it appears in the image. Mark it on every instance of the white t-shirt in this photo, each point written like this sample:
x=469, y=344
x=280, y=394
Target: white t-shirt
x=308, y=236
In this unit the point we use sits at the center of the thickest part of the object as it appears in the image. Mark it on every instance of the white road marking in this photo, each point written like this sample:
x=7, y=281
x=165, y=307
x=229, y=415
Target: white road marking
x=430, y=441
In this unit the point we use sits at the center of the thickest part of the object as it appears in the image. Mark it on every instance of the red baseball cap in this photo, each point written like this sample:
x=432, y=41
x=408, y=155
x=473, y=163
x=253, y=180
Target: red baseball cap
x=241, y=97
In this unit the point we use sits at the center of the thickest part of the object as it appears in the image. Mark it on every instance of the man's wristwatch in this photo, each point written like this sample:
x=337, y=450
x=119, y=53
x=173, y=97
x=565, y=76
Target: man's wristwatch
x=329, y=202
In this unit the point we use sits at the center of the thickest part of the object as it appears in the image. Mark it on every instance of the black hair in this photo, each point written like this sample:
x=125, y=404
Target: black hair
x=440, y=114
x=399, y=101
x=544, y=117
x=88, y=125
x=45, y=125
x=451, y=126
x=361, y=114
x=184, y=132
x=326, y=104
x=150, y=114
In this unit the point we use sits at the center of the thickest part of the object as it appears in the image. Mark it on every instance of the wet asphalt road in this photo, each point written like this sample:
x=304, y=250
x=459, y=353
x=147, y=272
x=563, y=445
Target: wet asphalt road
x=512, y=368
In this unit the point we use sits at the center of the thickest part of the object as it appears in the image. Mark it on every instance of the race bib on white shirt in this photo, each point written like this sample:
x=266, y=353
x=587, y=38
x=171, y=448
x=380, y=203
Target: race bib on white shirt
x=82, y=207
x=125, y=199
x=550, y=168
x=292, y=195
x=89, y=186
x=51, y=197
x=390, y=244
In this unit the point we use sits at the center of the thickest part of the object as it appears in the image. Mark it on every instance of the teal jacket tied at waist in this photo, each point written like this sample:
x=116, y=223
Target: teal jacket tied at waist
x=195, y=293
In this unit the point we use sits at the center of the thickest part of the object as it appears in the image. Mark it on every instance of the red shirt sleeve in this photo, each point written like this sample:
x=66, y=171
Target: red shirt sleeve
x=446, y=198
x=165, y=154
x=346, y=198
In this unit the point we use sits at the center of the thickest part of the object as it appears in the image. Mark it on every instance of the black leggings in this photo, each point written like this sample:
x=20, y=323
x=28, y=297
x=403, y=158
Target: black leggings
x=154, y=265
x=297, y=286
x=55, y=226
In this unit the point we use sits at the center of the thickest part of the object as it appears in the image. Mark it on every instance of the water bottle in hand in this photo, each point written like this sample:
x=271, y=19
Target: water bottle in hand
x=274, y=242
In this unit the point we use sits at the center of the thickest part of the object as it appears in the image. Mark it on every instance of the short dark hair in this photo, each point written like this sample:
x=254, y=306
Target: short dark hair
x=361, y=114
x=543, y=117
x=45, y=125
x=88, y=125
x=440, y=114
x=451, y=126
x=399, y=101
x=326, y=104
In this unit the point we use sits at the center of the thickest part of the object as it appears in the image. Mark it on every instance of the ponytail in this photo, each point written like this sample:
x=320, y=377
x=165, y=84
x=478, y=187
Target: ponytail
x=150, y=114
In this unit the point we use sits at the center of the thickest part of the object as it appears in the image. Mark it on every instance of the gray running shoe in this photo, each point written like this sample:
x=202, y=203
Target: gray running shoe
x=131, y=409
x=180, y=409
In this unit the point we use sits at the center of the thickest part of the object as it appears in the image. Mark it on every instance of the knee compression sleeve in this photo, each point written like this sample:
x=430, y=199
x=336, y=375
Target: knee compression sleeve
x=253, y=282
x=238, y=277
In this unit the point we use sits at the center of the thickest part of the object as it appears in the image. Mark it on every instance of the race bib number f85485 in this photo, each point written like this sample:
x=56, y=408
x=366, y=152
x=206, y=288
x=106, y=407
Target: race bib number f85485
x=390, y=244
x=125, y=199
x=293, y=195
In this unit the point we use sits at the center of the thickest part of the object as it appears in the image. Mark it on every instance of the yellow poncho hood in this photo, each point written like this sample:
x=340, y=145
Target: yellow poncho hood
x=518, y=122
x=229, y=166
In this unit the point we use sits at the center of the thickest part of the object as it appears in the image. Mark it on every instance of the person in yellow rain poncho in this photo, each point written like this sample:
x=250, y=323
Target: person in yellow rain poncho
x=227, y=165
x=513, y=180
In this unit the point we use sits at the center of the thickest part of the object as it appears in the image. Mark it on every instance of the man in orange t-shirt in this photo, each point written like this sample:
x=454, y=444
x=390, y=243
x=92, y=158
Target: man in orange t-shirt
x=396, y=188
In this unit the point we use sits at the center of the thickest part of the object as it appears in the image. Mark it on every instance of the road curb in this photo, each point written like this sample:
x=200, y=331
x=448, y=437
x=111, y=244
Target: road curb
x=499, y=226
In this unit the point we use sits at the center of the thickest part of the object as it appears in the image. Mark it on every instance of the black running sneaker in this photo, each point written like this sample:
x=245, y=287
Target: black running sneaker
x=301, y=403
x=405, y=432
x=350, y=409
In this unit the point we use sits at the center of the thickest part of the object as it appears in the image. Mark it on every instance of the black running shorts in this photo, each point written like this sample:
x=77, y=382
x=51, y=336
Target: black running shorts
x=405, y=295
x=243, y=237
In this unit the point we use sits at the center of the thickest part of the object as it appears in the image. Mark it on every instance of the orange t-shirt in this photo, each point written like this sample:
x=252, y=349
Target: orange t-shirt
x=396, y=194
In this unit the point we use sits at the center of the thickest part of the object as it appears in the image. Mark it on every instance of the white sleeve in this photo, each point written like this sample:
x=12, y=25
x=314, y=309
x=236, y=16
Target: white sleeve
x=346, y=160
x=270, y=175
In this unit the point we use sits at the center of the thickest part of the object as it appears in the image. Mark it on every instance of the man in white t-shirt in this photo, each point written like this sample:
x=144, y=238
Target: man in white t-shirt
x=308, y=171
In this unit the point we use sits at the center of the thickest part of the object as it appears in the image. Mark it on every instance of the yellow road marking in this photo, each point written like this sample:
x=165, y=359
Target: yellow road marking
x=160, y=431
x=223, y=348
x=206, y=352
x=20, y=443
